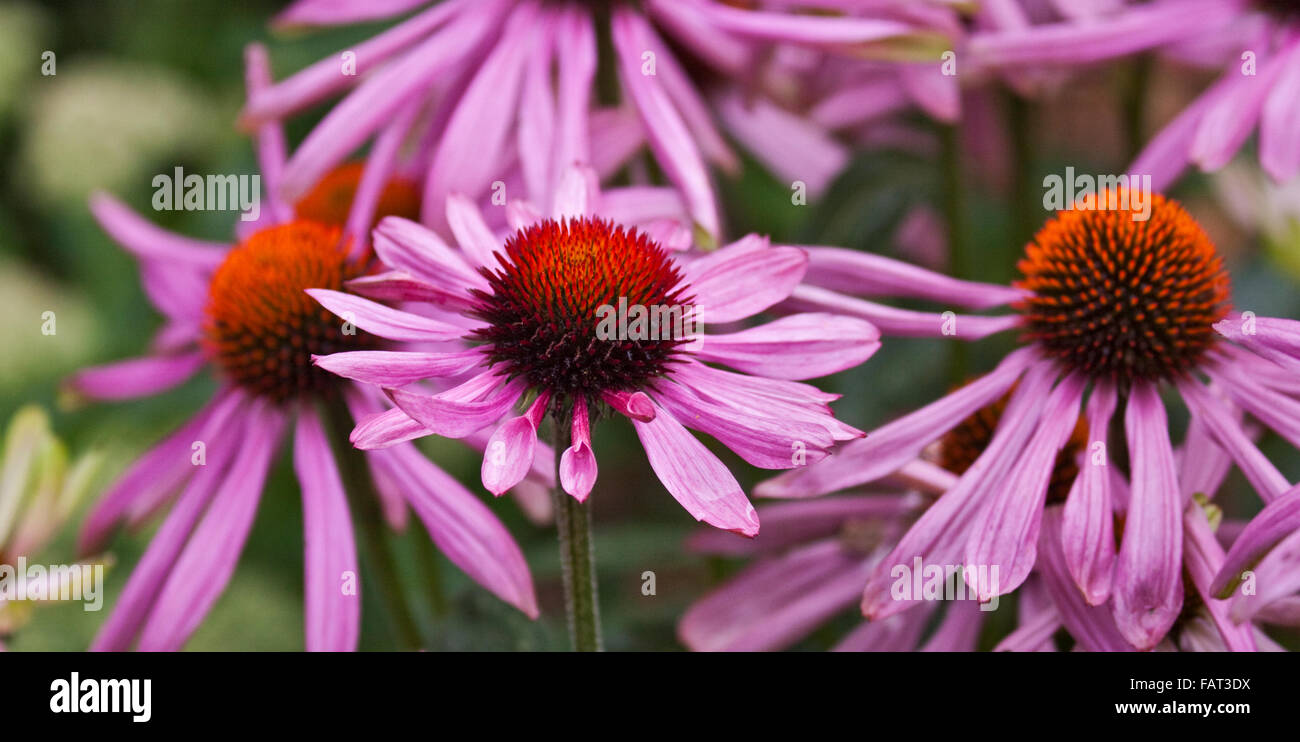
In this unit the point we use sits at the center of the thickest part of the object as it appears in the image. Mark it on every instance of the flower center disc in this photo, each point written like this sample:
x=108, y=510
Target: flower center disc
x=1120, y=297
x=543, y=309
x=261, y=329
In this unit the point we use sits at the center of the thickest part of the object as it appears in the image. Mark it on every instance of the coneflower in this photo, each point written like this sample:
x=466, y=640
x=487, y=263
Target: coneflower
x=1115, y=309
x=532, y=306
x=240, y=310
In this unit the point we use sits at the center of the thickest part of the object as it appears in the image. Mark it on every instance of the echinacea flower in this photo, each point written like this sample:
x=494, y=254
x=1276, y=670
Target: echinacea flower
x=503, y=90
x=1115, y=309
x=241, y=311
x=1256, y=41
x=39, y=490
x=531, y=313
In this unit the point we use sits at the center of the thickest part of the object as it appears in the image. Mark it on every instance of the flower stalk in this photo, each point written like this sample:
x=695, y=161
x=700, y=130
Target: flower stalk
x=577, y=556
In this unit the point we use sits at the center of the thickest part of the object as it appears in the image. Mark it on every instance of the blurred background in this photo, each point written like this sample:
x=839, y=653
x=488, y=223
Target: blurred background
x=143, y=86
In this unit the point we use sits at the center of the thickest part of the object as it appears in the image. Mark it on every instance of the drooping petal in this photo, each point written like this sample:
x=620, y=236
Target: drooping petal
x=1091, y=625
x=1203, y=556
x=148, y=242
x=664, y=129
x=867, y=274
x=776, y=602
x=509, y=453
x=1148, y=587
x=205, y=566
x=331, y=580
x=151, y=572
x=1218, y=420
x=464, y=529
x=578, y=462
x=900, y=322
x=896, y=443
x=1269, y=527
x=1088, y=519
x=1005, y=536
x=158, y=473
x=694, y=476
x=448, y=415
x=386, y=429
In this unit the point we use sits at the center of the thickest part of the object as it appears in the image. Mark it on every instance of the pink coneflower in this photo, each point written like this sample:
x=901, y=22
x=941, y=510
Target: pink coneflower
x=241, y=311
x=536, y=304
x=532, y=306
x=1111, y=305
x=503, y=89
x=1257, y=42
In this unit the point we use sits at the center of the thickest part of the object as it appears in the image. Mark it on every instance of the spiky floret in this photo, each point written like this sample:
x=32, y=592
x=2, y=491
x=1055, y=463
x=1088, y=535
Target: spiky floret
x=1123, y=298
x=959, y=448
x=542, y=310
x=331, y=199
x=261, y=328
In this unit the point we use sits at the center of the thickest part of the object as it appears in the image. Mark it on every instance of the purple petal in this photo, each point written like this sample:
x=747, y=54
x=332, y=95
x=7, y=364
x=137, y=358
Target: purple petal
x=893, y=445
x=333, y=612
x=694, y=476
x=1005, y=536
x=205, y=565
x=1088, y=518
x=383, y=321
x=743, y=279
x=450, y=415
x=398, y=368
x=137, y=377
x=462, y=526
x=1148, y=587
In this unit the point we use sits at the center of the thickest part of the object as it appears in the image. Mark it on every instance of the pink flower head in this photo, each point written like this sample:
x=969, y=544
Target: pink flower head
x=1113, y=310
x=550, y=312
x=501, y=91
x=240, y=310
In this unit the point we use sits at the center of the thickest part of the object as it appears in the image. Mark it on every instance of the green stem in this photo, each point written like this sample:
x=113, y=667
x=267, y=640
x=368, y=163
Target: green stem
x=427, y=561
x=1027, y=208
x=577, y=557
x=375, y=548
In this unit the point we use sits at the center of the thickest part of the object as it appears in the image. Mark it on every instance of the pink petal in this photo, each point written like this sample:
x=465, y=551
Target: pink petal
x=867, y=274
x=154, y=568
x=665, y=131
x=205, y=565
x=138, y=377
x=398, y=368
x=449, y=415
x=802, y=346
x=510, y=450
x=462, y=526
x=1088, y=518
x=578, y=462
x=773, y=604
x=1148, y=587
x=743, y=279
x=148, y=242
x=893, y=445
x=1005, y=536
x=694, y=476
x=333, y=613
x=383, y=321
